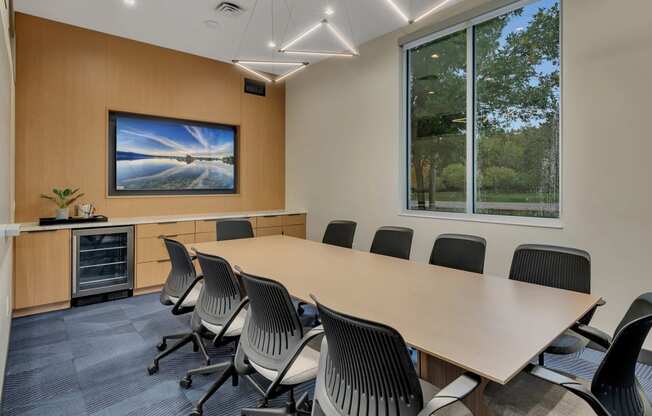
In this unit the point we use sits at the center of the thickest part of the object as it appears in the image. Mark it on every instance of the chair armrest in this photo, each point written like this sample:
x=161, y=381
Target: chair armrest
x=576, y=387
x=315, y=332
x=177, y=309
x=601, y=302
x=593, y=334
x=454, y=392
x=227, y=324
x=193, y=257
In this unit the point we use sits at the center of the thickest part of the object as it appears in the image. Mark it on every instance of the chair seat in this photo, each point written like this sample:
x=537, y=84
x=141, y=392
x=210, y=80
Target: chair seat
x=567, y=343
x=234, y=330
x=303, y=369
x=191, y=299
x=527, y=395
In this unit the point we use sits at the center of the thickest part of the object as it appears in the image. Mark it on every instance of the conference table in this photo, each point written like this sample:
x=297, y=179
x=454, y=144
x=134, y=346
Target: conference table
x=457, y=321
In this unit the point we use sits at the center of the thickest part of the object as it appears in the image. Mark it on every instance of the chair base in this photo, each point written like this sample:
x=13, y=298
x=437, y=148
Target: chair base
x=194, y=337
x=302, y=407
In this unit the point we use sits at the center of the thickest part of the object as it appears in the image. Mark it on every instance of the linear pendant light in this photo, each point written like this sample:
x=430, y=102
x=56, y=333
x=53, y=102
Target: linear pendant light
x=295, y=67
x=422, y=16
x=332, y=29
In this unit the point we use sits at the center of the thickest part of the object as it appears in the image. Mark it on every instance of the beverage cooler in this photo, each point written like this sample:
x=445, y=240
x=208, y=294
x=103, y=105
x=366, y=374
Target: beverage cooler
x=103, y=262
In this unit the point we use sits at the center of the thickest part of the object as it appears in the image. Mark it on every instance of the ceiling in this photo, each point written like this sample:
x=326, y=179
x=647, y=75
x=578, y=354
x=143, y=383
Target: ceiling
x=181, y=24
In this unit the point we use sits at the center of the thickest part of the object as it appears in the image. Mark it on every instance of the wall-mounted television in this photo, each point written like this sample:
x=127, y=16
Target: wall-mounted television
x=151, y=155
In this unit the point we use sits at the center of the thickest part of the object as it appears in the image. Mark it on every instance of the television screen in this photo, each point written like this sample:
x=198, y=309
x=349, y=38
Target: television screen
x=162, y=156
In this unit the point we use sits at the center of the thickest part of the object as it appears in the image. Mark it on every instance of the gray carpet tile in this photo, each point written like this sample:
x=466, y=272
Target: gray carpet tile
x=92, y=360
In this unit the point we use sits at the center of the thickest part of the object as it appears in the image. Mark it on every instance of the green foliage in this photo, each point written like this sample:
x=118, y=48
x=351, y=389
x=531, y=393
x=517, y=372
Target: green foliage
x=63, y=198
x=498, y=178
x=454, y=177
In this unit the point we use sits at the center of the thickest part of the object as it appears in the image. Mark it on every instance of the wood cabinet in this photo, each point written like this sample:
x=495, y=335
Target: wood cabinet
x=42, y=274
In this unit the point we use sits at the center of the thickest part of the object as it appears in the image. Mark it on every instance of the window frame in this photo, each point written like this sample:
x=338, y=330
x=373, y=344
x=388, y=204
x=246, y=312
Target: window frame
x=406, y=133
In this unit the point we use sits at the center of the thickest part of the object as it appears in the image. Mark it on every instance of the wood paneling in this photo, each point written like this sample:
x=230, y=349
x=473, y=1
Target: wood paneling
x=68, y=79
x=298, y=230
x=42, y=269
x=165, y=229
x=270, y=221
x=153, y=248
x=261, y=232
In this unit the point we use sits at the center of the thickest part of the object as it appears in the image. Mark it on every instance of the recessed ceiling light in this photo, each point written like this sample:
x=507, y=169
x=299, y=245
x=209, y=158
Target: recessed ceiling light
x=329, y=11
x=271, y=44
x=434, y=56
x=211, y=24
x=130, y=3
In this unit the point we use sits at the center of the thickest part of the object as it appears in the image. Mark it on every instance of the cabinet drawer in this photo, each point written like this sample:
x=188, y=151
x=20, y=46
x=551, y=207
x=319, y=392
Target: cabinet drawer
x=269, y=221
x=153, y=248
x=298, y=231
x=295, y=219
x=205, y=237
x=261, y=232
x=165, y=228
x=154, y=273
x=42, y=268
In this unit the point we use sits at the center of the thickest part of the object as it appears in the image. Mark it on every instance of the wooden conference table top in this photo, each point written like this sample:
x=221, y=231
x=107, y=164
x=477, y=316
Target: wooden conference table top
x=488, y=325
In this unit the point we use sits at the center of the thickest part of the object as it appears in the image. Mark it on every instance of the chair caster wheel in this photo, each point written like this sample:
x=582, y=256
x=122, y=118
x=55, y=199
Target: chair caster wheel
x=195, y=412
x=185, y=382
x=152, y=369
x=161, y=346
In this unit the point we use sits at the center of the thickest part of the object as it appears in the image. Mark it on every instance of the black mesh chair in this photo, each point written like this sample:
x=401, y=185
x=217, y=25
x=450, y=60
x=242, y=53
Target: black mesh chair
x=365, y=369
x=340, y=233
x=459, y=251
x=182, y=286
x=274, y=345
x=614, y=390
x=561, y=268
x=219, y=313
x=393, y=242
x=234, y=229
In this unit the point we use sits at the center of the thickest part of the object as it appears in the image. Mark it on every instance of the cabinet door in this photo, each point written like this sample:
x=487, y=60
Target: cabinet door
x=261, y=232
x=42, y=268
x=153, y=248
x=298, y=231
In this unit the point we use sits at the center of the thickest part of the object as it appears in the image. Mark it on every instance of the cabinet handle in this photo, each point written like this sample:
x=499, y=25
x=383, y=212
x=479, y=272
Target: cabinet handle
x=41, y=231
x=163, y=261
x=169, y=222
x=162, y=236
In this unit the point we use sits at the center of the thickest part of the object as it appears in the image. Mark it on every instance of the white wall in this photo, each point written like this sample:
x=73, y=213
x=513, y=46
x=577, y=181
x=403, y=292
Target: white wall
x=6, y=185
x=343, y=143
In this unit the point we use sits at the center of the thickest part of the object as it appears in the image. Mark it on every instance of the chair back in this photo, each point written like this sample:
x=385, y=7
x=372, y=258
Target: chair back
x=221, y=293
x=558, y=267
x=272, y=328
x=234, y=229
x=340, y=233
x=393, y=242
x=615, y=383
x=182, y=272
x=459, y=251
x=365, y=369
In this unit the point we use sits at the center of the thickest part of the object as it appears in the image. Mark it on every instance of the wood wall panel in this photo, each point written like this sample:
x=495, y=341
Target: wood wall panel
x=68, y=78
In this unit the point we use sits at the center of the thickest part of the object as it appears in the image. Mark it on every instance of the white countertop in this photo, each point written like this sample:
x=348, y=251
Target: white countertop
x=117, y=222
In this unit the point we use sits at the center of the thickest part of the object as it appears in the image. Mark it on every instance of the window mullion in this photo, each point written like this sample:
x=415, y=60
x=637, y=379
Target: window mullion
x=470, y=121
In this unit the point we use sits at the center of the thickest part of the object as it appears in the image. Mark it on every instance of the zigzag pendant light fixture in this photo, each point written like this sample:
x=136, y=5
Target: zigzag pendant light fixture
x=422, y=16
x=251, y=65
x=324, y=23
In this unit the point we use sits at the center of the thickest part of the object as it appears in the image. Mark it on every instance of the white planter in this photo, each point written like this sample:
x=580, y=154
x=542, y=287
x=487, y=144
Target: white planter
x=62, y=213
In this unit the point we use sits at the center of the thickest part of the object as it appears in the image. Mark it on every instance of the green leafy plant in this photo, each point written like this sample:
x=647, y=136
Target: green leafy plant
x=63, y=197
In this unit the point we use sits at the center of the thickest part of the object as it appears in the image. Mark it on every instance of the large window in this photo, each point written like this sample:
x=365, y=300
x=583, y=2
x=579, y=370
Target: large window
x=483, y=116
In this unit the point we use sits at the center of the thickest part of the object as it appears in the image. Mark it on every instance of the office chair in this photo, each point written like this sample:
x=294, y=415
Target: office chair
x=365, y=369
x=614, y=390
x=234, y=229
x=217, y=313
x=393, y=242
x=273, y=344
x=561, y=268
x=340, y=233
x=182, y=286
x=459, y=251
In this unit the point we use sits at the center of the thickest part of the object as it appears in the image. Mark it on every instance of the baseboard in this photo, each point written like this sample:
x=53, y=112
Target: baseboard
x=41, y=309
x=146, y=290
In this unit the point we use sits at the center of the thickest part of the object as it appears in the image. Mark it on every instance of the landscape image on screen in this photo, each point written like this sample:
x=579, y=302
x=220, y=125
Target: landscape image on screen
x=169, y=155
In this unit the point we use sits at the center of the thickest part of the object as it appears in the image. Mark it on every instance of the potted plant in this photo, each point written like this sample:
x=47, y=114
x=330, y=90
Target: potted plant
x=63, y=198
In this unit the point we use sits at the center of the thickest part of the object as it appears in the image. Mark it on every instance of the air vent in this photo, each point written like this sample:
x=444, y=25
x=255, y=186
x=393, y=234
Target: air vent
x=229, y=9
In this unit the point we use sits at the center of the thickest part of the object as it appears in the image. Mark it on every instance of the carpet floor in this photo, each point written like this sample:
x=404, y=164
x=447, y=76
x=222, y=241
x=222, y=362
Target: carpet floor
x=92, y=360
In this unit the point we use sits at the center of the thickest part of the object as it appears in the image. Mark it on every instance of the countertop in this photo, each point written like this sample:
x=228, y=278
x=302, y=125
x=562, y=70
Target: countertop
x=122, y=221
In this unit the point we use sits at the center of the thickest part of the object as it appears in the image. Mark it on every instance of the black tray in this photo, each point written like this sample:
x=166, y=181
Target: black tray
x=72, y=220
